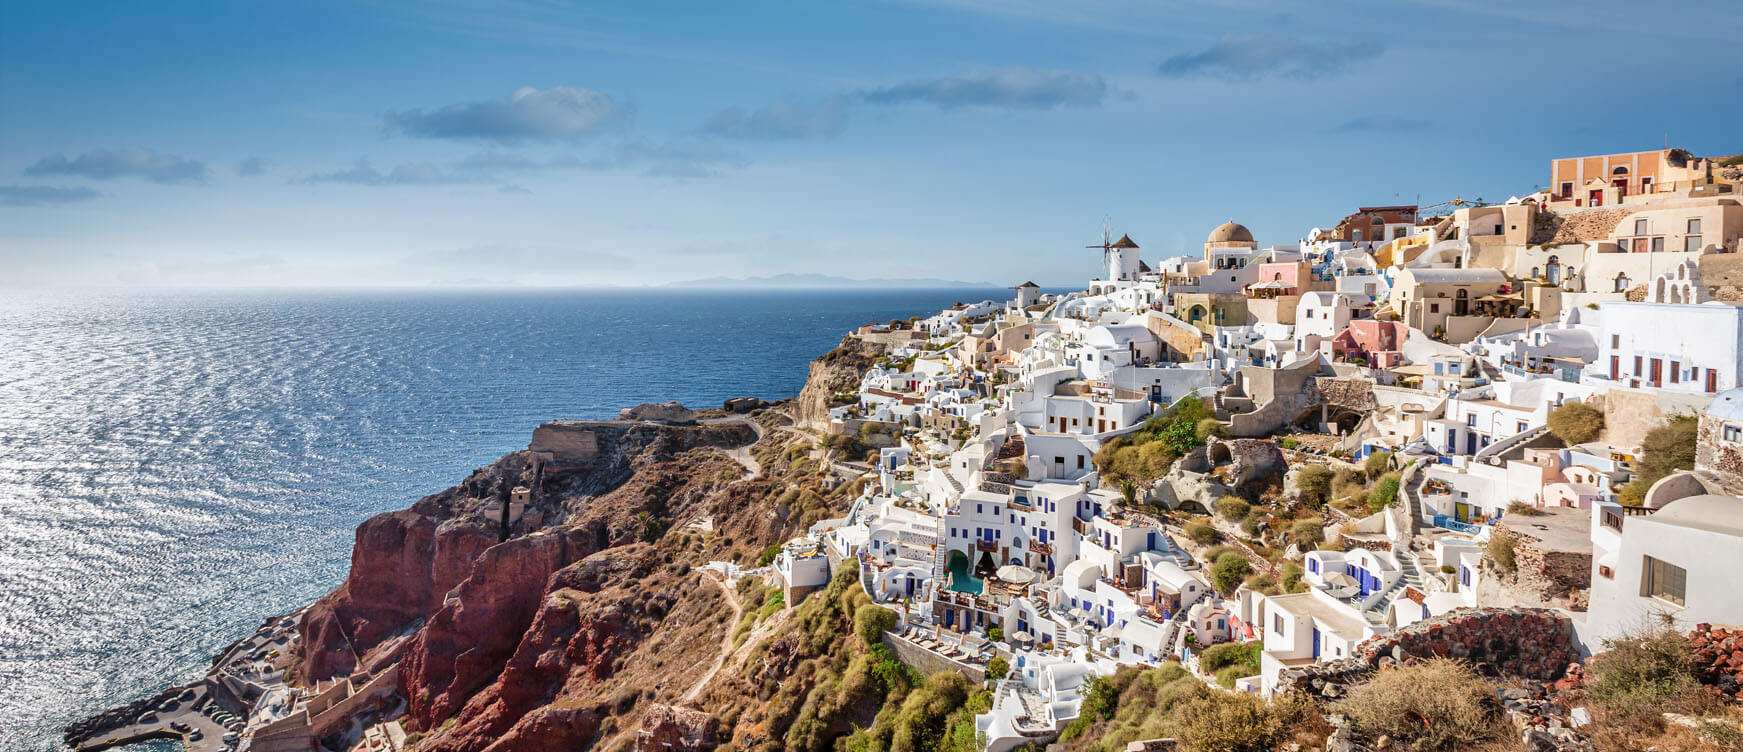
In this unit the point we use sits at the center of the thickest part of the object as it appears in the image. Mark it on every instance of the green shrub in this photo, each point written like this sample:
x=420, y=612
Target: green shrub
x=1435, y=704
x=1200, y=533
x=1228, y=572
x=1231, y=654
x=1376, y=464
x=1250, y=525
x=1666, y=449
x=997, y=668
x=1232, y=508
x=995, y=634
x=1314, y=482
x=1262, y=583
x=1288, y=443
x=871, y=622
x=1211, y=427
x=1644, y=673
x=768, y=555
x=1292, y=574
x=1575, y=423
x=1384, y=493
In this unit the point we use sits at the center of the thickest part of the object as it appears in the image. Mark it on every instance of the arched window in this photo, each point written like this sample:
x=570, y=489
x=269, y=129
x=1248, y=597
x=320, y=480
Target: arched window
x=1552, y=270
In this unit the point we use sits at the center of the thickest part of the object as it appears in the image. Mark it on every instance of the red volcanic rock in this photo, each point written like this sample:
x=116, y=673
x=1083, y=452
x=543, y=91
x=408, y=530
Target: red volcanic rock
x=465, y=644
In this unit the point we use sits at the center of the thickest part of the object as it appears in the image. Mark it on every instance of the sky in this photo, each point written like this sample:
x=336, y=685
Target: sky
x=545, y=143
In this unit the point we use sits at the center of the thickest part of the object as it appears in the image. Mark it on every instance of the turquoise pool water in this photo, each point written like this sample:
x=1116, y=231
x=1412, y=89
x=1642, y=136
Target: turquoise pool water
x=960, y=580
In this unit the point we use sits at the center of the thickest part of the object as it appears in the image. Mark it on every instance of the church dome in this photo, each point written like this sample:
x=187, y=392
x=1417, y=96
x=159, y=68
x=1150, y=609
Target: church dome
x=1230, y=232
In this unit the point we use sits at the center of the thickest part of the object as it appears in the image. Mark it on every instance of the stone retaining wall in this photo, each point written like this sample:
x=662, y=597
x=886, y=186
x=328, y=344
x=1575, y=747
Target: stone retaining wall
x=928, y=662
x=1533, y=643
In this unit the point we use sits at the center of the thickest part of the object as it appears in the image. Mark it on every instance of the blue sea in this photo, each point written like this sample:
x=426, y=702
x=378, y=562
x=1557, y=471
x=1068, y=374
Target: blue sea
x=177, y=467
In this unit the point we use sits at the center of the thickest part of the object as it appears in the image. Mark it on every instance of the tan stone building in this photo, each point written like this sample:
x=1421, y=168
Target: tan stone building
x=1631, y=177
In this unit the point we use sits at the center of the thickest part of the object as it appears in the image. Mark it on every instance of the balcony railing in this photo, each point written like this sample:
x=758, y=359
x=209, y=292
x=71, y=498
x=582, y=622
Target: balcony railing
x=986, y=546
x=1044, y=549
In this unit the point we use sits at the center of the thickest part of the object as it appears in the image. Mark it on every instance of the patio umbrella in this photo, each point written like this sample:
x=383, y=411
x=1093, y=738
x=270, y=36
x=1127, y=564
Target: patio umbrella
x=1078, y=613
x=1339, y=579
x=1016, y=575
x=1113, y=632
x=1022, y=637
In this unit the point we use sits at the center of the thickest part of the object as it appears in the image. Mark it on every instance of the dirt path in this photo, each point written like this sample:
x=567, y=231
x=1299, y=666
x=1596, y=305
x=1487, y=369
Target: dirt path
x=742, y=455
x=731, y=594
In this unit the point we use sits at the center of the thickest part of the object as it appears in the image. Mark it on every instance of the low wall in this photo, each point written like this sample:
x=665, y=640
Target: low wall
x=1533, y=643
x=928, y=662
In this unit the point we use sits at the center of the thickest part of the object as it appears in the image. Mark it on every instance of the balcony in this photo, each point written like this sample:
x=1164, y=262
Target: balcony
x=1044, y=549
x=1081, y=526
x=986, y=546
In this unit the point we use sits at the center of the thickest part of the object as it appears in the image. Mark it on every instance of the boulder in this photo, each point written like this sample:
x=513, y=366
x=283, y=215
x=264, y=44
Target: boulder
x=664, y=412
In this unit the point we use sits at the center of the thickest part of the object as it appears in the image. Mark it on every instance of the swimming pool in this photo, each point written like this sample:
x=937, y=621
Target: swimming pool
x=960, y=580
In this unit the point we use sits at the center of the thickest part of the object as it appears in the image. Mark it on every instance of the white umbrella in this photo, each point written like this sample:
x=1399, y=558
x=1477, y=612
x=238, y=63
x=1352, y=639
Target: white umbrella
x=1022, y=637
x=1113, y=632
x=1339, y=579
x=1079, y=613
x=1016, y=575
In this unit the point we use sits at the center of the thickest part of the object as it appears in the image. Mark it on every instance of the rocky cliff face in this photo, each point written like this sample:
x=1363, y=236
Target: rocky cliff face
x=839, y=370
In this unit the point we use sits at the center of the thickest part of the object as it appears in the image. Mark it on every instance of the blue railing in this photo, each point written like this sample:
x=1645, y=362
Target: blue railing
x=1443, y=521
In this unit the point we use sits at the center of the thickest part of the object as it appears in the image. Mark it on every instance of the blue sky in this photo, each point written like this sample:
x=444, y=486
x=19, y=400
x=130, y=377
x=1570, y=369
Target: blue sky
x=548, y=143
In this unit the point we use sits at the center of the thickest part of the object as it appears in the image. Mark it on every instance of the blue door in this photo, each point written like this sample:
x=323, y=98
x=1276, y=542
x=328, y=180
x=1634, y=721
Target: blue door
x=1316, y=642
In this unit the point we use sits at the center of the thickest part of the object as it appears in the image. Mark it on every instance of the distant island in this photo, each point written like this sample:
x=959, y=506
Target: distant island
x=825, y=281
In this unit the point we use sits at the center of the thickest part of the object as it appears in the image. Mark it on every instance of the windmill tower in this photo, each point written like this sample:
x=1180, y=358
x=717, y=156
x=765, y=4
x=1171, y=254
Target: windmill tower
x=1119, y=256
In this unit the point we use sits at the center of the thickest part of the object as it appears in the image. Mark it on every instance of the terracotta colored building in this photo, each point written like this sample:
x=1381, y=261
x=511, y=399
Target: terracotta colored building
x=1609, y=179
x=1378, y=342
x=1370, y=222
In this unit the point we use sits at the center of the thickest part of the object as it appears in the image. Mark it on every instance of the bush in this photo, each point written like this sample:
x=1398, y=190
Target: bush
x=1435, y=704
x=1314, y=482
x=1232, y=508
x=995, y=634
x=871, y=622
x=1288, y=443
x=1250, y=525
x=1262, y=584
x=1228, y=572
x=1500, y=549
x=1384, y=493
x=1211, y=427
x=1666, y=449
x=997, y=668
x=1575, y=423
x=1292, y=578
x=1642, y=674
x=1307, y=533
x=1377, y=464
x=769, y=554
x=1217, y=657
x=1227, y=723
x=1200, y=533
x=1522, y=509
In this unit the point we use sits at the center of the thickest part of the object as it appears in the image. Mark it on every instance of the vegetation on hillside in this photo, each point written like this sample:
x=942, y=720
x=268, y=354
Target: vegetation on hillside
x=1665, y=450
x=1575, y=423
x=1436, y=704
x=1153, y=448
x=1168, y=701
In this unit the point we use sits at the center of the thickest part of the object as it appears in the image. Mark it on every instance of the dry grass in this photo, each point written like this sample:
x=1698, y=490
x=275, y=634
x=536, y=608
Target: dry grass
x=1437, y=704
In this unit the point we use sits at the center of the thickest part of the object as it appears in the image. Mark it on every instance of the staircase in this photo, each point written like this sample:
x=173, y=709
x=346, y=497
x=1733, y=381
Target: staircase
x=940, y=553
x=1411, y=577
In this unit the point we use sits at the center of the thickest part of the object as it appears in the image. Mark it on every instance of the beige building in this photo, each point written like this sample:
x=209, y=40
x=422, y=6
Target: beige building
x=1456, y=303
x=1229, y=246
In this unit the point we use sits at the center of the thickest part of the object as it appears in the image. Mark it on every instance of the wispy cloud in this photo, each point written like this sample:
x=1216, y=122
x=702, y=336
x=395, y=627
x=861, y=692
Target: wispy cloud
x=672, y=160
x=251, y=166
x=559, y=113
x=417, y=173
x=781, y=120
x=1010, y=88
x=1382, y=124
x=1256, y=56
x=37, y=195
x=107, y=164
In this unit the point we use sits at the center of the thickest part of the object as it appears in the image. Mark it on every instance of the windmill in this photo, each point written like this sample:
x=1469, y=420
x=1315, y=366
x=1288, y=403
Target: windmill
x=1107, y=240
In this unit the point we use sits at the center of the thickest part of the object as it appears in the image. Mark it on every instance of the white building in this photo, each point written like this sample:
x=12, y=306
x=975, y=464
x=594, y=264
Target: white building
x=1694, y=349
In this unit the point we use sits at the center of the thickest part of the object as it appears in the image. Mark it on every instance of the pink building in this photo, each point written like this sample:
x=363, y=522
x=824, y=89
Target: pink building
x=1378, y=342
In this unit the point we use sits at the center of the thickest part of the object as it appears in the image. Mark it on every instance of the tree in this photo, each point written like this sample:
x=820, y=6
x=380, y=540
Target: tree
x=1232, y=508
x=997, y=668
x=1575, y=423
x=1666, y=449
x=1314, y=482
x=1228, y=572
x=871, y=622
x=1307, y=533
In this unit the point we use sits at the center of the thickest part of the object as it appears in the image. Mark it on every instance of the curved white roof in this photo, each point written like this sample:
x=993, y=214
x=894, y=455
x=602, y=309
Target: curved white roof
x=1728, y=405
x=1718, y=514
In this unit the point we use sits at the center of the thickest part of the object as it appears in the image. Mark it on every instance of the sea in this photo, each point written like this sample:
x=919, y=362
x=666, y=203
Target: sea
x=176, y=467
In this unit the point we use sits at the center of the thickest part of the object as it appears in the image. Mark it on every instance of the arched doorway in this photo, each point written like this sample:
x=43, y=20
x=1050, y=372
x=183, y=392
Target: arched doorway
x=1552, y=271
x=1462, y=304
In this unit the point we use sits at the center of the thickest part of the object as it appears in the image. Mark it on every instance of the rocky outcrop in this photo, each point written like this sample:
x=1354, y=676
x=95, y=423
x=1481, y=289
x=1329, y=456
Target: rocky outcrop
x=1719, y=659
x=664, y=412
x=479, y=625
x=665, y=728
x=839, y=370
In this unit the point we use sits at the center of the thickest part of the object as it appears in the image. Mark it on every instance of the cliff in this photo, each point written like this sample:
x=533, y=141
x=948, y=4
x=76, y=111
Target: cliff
x=837, y=371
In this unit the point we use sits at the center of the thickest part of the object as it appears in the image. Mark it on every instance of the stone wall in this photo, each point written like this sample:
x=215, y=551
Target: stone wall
x=928, y=662
x=1532, y=643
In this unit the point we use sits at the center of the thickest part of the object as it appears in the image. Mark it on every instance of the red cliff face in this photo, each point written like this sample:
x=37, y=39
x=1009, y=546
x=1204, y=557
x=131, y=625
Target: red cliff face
x=466, y=642
x=402, y=565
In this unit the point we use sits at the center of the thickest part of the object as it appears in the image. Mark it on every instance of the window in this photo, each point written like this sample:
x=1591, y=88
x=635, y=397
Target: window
x=1616, y=339
x=1695, y=226
x=1691, y=244
x=1639, y=227
x=1663, y=580
x=1471, y=420
x=1060, y=460
x=1434, y=308
x=1277, y=619
x=1733, y=433
x=1658, y=244
x=1637, y=370
x=1521, y=426
x=1567, y=188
